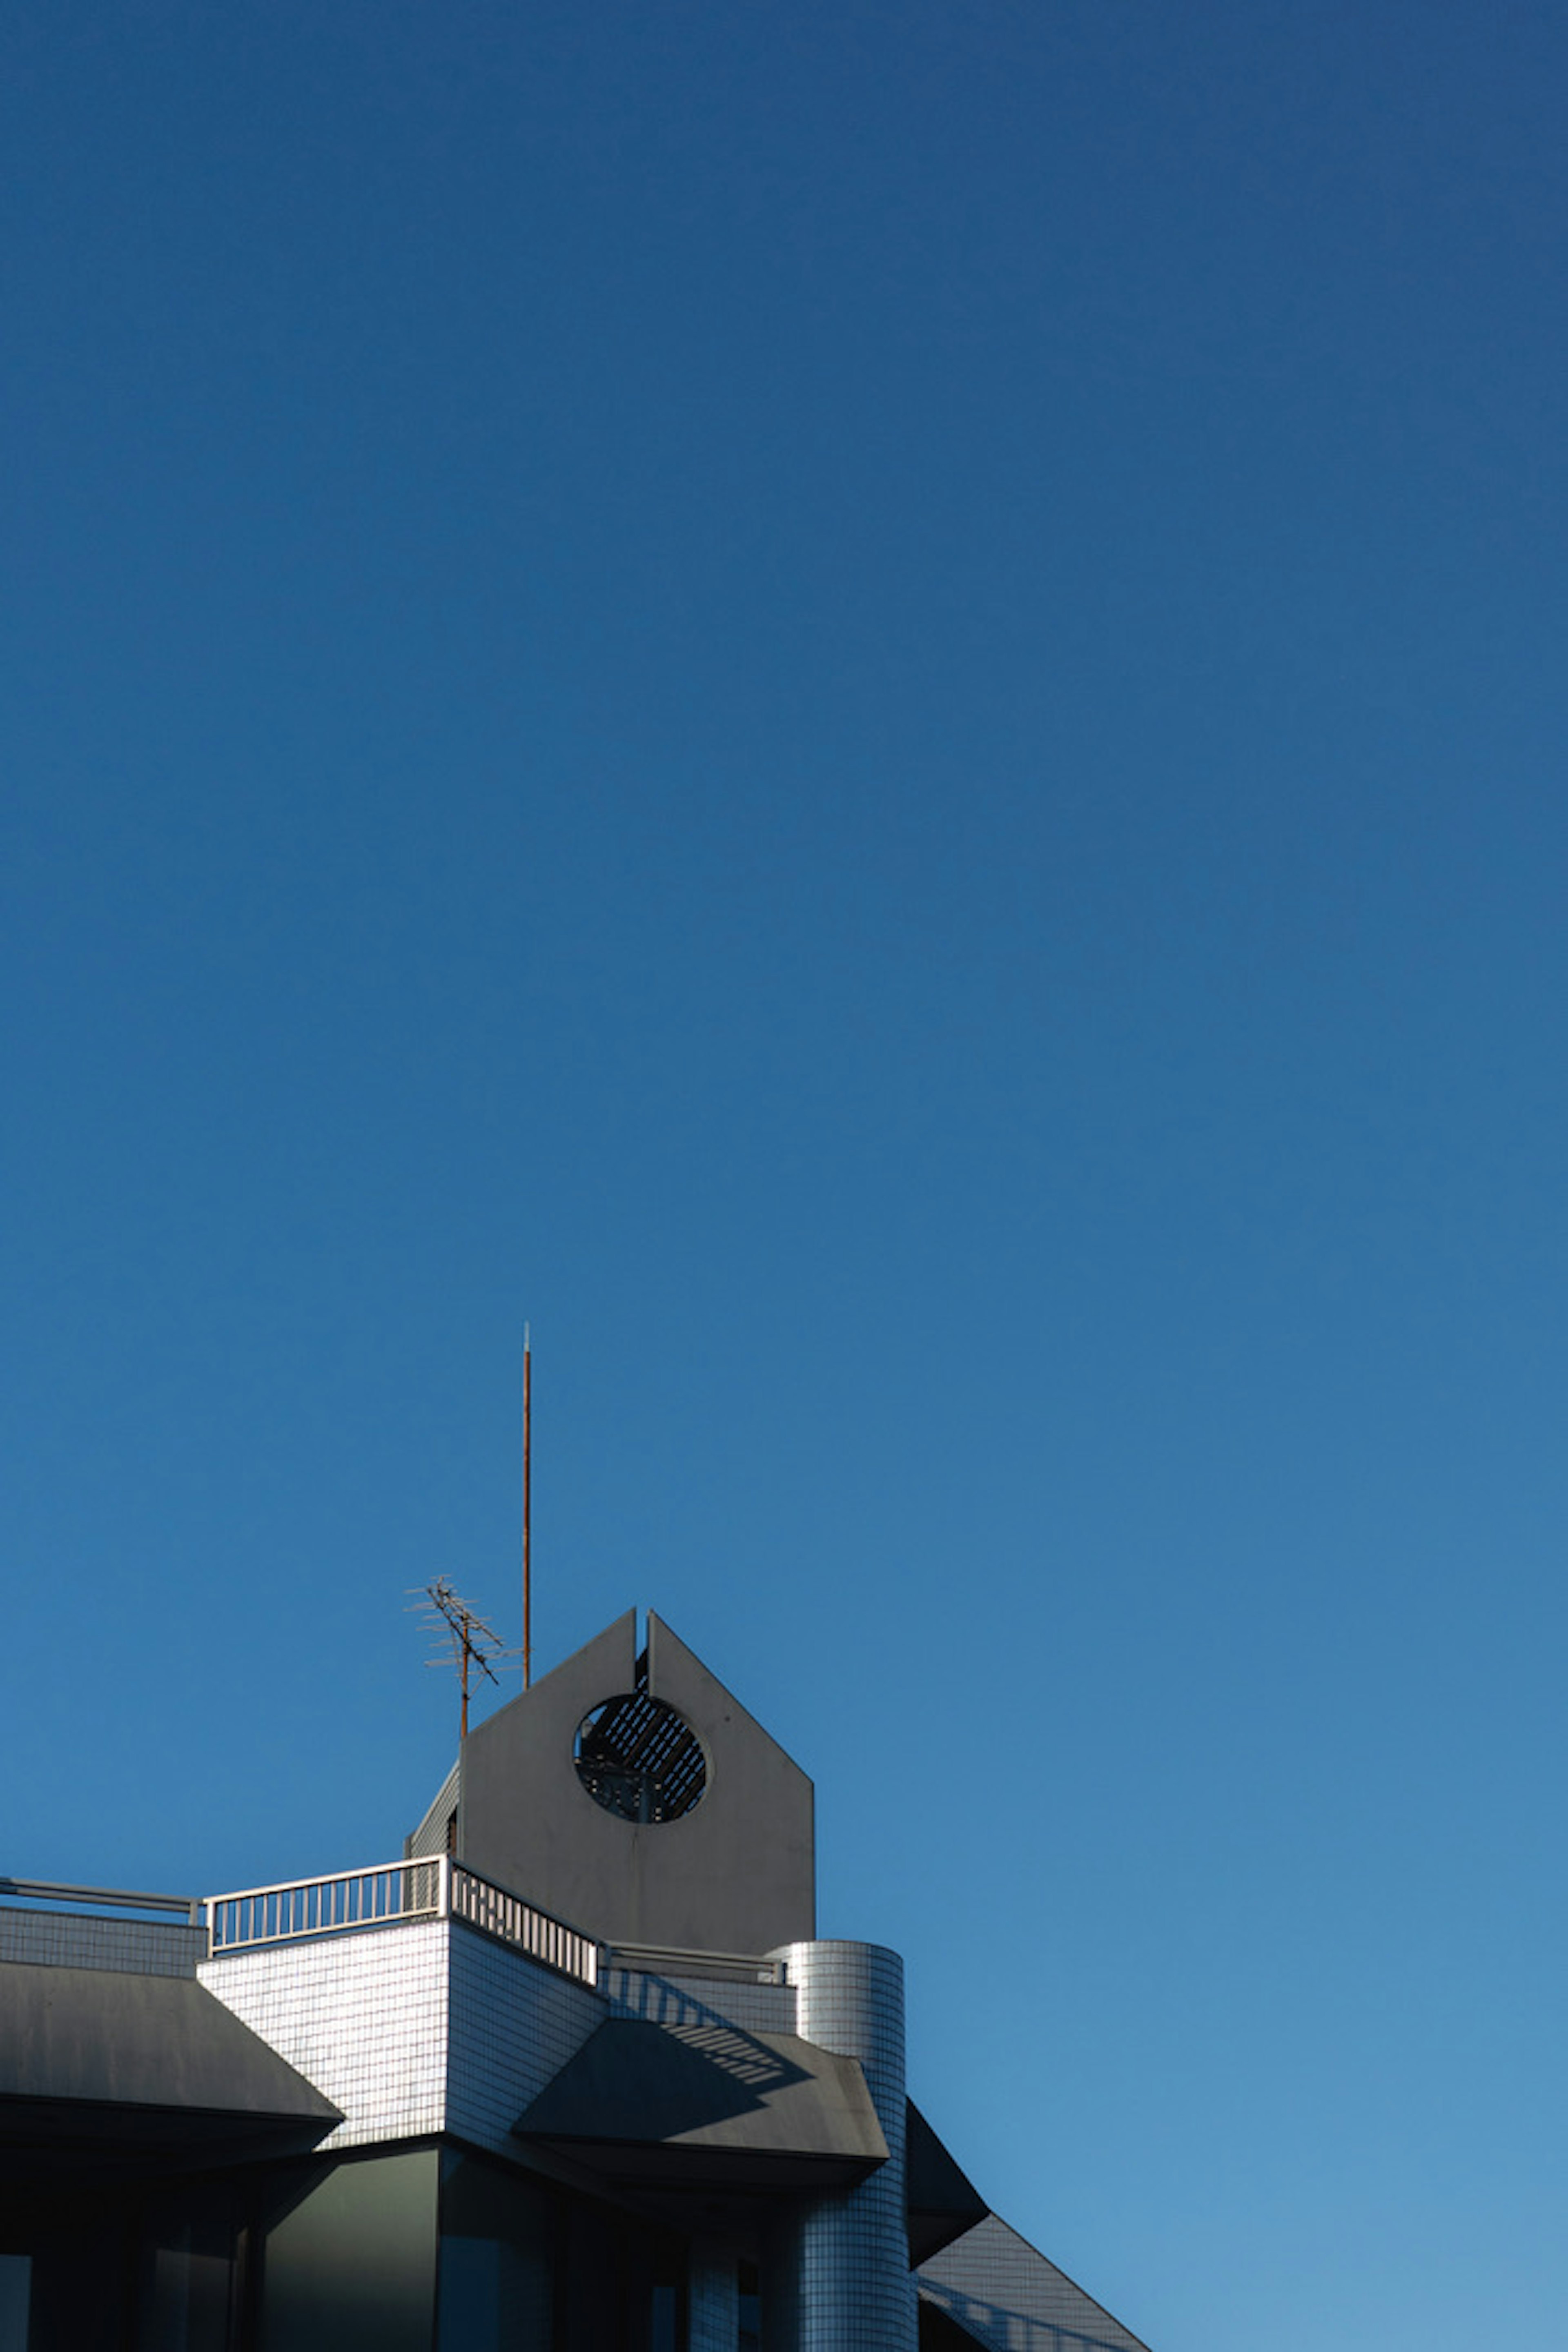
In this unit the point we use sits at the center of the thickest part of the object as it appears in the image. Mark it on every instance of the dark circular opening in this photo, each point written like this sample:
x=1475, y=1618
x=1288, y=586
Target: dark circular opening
x=639, y=1759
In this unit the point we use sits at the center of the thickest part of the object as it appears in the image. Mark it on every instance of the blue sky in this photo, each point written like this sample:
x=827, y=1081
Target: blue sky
x=864, y=707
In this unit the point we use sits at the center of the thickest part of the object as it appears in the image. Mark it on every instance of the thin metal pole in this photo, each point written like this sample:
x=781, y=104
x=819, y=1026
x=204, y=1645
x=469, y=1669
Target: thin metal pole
x=527, y=1565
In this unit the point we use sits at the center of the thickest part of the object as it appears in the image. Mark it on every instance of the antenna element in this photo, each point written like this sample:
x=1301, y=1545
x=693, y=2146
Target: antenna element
x=459, y=1628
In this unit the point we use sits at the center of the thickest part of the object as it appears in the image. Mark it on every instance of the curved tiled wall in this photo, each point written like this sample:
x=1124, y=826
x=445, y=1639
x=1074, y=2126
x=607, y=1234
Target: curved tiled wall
x=843, y=2282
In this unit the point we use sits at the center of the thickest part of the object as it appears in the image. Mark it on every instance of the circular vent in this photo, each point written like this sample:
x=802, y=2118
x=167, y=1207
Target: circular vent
x=640, y=1759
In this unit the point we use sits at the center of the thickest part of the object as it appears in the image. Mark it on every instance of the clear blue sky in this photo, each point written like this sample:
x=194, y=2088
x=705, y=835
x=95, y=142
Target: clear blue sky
x=866, y=705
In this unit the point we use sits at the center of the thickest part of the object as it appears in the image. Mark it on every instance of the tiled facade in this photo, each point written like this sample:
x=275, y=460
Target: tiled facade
x=715, y=2302
x=429, y=2028
x=416, y=2029
x=1011, y=2299
x=362, y=2016
x=853, y=2282
x=65, y=1939
x=430, y=1837
x=513, y=2025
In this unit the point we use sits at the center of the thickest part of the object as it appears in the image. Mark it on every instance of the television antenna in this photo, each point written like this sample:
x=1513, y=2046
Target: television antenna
x=464, y=1639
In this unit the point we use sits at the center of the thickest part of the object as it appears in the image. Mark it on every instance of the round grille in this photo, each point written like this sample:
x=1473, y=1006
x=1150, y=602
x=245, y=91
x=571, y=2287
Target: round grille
x=639, y=1759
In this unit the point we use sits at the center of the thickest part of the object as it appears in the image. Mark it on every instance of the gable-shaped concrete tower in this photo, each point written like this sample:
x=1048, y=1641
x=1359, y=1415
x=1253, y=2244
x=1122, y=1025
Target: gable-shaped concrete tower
x=634, y=1796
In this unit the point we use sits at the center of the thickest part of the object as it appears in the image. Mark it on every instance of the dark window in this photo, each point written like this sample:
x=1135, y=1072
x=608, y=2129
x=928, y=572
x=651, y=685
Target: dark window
x=750, y=2337
x=664, y=2319
x=66, y=2266
x=624, y=2283
x=498, y=2259
x=186, y=2290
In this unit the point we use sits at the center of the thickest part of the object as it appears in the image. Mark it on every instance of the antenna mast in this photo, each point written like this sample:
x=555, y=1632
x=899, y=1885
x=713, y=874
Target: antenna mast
x=527, y=1566
x=464, y=1632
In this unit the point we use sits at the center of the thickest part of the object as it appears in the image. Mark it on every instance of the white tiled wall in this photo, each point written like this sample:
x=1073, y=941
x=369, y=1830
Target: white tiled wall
x=852, y=2276
x=424, y=2027
x=362, y=2016
x=514, y=2024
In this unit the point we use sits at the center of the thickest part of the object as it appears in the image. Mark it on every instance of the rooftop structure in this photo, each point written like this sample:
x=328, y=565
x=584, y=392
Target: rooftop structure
x=573, y=2073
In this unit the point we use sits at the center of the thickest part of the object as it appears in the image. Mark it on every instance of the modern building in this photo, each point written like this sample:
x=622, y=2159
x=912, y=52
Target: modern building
x=574, y=2073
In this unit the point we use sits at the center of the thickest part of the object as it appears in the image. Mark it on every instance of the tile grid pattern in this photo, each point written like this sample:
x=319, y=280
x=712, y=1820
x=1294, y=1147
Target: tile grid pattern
x=852, y=2290
x=430, y=1837
x=69, y=1939
x=715, y=2302
x=362, y=2016
x=1006, y=2294
x=513, y=2025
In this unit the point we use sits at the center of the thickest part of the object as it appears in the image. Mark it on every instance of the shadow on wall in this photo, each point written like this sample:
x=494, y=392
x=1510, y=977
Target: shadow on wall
x=659, y=2001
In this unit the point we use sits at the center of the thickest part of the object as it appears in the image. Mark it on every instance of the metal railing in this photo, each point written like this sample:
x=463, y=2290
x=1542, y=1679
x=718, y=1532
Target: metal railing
x=495, y=1912
x=674, y=1961
x=386, y=1895
x=113, y=1898
x=325, y=1907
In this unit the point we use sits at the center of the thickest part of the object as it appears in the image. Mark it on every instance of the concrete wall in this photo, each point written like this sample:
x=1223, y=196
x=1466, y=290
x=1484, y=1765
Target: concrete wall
x=735, y=1873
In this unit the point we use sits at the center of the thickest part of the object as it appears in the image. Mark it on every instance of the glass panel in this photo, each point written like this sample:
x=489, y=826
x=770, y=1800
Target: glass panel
x=185, y=2293
x=471, y=2300
x=16, y=2295
x=663, y=2320
x=496, y=2260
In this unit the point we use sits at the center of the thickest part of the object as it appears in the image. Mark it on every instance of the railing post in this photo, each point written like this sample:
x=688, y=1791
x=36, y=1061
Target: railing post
x=444, y=1887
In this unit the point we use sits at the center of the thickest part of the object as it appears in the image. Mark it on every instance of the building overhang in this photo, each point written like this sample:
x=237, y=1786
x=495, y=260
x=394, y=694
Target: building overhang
x=113, y=2067
x=708, y=2108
